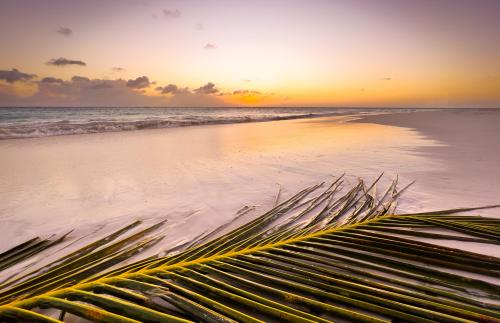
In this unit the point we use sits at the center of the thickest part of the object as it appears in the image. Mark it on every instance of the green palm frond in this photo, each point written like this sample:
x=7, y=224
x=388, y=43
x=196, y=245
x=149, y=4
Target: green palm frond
x=316, y=257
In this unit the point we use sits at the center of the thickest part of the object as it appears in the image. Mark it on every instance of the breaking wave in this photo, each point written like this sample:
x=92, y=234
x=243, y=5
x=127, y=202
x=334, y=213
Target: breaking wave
x=66, y=127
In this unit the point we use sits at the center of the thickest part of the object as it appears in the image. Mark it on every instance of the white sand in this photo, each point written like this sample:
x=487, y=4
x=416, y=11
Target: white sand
x=467, y=171
x=198, y=177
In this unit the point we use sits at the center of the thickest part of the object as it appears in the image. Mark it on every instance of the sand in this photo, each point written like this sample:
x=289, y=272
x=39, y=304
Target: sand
x=467, y=155
x=199, y=177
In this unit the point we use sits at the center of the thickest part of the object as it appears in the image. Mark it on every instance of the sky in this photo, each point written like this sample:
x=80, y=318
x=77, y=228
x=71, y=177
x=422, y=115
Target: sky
x=359, y=53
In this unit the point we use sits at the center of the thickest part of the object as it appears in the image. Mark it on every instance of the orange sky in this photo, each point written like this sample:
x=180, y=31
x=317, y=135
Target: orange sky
x=421, y=53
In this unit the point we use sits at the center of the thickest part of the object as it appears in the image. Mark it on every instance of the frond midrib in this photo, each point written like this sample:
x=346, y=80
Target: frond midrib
x=145, y=271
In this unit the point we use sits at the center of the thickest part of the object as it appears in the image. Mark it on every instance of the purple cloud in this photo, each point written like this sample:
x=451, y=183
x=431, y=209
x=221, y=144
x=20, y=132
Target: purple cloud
x=173, y=89
x=65, y=31
x=139, y=83
x=246, y=92
x=77, y=78
x=101, y=85
x=14, y=75
x=50, y=79
x=64, y=62
x=208, y=88
x=171, y=13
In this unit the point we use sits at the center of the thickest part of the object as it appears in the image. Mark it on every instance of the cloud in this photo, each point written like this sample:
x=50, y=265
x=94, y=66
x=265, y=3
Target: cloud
x=210, y=46
x=101, y=85
x=139, y=83
x=386, y=79
x=65, y=31
x=171, y=13
x=51, y=79
x=199, y=27
x=77, y=78
x=247, y=80
x=246, y=92
x=208, y=88
x=172, y=89
x=205, y=96
x=118, y=69
x=64, y=61
x=14, y=76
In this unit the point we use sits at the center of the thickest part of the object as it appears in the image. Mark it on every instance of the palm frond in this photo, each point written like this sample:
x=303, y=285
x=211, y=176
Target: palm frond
x=315, y=257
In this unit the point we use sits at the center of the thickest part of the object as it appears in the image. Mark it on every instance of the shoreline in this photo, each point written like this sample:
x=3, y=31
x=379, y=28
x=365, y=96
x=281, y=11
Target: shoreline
x=65, y=127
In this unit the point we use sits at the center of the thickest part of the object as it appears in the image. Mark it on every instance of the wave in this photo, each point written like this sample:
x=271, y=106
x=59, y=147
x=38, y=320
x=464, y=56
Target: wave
x=66, y=127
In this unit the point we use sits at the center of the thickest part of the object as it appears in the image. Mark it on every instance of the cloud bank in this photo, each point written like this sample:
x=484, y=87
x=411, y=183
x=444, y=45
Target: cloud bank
x=81, y=91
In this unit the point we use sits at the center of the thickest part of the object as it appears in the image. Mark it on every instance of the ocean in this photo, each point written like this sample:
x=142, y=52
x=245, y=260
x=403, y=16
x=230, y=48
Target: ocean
x=43, y=122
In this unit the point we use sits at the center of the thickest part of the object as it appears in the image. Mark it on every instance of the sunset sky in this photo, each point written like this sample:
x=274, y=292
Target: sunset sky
x=421, y=53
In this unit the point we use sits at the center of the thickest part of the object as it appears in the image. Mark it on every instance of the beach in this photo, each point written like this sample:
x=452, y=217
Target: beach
x=467, y=155
x=198, y=177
